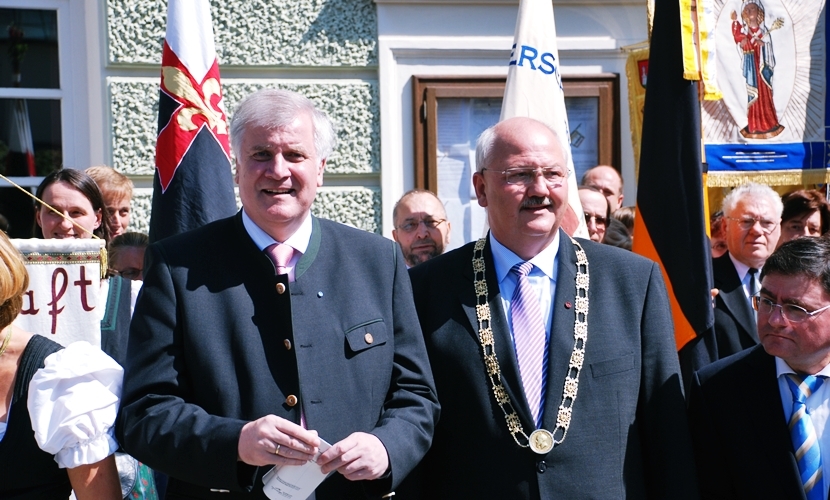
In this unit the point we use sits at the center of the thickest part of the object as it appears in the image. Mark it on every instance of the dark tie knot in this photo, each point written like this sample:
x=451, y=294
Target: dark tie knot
x=522, y=268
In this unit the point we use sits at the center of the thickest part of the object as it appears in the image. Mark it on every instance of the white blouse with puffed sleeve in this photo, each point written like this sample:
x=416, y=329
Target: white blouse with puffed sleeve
x=73, y=402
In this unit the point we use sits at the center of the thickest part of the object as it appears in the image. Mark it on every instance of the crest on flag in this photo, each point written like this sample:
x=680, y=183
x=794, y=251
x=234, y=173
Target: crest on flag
x=186, y=106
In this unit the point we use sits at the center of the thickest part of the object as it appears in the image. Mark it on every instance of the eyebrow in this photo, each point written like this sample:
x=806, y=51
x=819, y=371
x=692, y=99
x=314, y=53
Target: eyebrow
x=298, y=147
x=795, y=302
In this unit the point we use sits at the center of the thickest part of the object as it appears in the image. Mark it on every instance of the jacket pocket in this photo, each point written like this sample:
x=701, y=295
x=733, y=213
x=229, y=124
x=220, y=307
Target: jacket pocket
x=611, y=366
x=366, y=335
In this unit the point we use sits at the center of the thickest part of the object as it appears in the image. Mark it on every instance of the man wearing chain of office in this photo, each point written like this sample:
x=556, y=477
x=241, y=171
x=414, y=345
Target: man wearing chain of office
x=554, y=358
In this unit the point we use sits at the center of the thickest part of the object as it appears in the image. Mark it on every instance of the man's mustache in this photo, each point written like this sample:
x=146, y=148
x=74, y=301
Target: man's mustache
x=535, y=201
x=426, y=240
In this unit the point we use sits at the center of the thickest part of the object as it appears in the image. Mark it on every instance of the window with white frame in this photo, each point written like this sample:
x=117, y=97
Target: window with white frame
x=31, y=139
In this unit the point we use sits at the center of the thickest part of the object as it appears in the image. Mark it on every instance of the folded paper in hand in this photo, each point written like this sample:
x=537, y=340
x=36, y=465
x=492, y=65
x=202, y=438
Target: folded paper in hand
x=295, y=482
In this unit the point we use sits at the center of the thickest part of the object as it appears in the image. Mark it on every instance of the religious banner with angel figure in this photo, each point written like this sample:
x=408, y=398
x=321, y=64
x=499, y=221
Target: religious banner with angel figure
x=771, y=68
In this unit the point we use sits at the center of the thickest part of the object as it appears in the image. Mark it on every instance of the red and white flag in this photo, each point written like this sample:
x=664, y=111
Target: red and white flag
x=534, y=90
x=21, y=149
x=193, y=183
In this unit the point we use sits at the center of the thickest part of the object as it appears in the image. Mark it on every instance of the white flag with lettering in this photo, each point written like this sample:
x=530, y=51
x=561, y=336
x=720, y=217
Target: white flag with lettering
x=64, y=295
x=534, y=90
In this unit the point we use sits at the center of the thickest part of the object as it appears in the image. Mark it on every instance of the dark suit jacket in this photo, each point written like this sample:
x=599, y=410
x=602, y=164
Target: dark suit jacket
x=734, y=318
x=213, y=345
x=735, y=328
x=740, y=435
x=628, y=436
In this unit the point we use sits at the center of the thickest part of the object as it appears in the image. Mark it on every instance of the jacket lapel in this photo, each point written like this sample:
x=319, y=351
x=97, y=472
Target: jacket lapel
x=761, y=402
x=561, y=342
x=503, y=341
x=732, y=294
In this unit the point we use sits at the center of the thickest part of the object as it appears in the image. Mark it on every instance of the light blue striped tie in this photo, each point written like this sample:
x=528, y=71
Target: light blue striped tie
x=529, y=338
x=805, y=442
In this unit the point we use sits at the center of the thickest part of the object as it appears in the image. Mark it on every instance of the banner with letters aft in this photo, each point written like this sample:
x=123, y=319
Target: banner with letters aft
x=62, y=302
x=770, y=126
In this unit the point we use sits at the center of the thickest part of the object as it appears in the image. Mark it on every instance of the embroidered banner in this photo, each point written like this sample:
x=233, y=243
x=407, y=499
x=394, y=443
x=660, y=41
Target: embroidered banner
x=771, y=67
x=64, y=294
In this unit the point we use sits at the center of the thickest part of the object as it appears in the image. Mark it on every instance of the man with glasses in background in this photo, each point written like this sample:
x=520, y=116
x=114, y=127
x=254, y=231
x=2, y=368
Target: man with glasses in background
x=759, y=419
x=597, y=212
x=752, y=215
x=421, y=226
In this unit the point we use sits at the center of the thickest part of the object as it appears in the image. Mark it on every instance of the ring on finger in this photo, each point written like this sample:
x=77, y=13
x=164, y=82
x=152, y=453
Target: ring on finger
x=277, y=449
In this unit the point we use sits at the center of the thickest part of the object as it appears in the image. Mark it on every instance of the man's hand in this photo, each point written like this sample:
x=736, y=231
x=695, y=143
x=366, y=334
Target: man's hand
x=360, y=456
x=272, y=440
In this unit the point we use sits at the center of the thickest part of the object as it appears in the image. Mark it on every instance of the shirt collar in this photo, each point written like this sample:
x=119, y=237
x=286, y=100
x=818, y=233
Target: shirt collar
x=504, y=259
x=740, y=267
x=782, y=368
x=298, y=241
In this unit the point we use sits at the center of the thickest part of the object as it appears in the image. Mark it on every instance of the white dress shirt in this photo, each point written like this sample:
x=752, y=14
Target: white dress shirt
x=818, y=406
x=298, y=241
x=743, y=274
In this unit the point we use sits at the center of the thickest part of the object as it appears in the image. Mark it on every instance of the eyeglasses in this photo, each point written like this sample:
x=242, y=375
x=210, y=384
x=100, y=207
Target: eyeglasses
x=598, y=219
x=791, y=312
x=129, y=273
x=746, y=223
x=554, y=177
x=412, y=225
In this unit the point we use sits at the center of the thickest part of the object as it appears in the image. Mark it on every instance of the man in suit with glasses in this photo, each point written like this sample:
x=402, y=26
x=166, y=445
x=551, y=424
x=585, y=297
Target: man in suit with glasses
x=421, y=226
x=759, y=418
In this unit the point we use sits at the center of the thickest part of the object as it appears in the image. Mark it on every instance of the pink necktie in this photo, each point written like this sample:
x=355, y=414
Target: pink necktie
x=281, y=254
x=529, y=337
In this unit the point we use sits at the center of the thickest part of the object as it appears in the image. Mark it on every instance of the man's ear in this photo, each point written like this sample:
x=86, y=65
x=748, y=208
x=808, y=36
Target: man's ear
x=479, y=184
x=320, y=172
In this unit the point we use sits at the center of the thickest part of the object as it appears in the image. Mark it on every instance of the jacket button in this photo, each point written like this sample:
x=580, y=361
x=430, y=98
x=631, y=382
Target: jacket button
x=280, y=288
x=541, y=466
x=291, y=400
x=287, y=344
x=368, y=338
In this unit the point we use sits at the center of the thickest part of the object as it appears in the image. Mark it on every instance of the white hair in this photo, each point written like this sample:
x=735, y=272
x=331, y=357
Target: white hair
x=276, y=108
x=752, y=190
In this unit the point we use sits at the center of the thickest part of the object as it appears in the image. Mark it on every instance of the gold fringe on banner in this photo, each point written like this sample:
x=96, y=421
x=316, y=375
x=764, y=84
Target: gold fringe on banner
x=688, y=20
x=697, y=33
x=650, y=16
x=707, y=46
x=769, y=177
x=634, y=66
